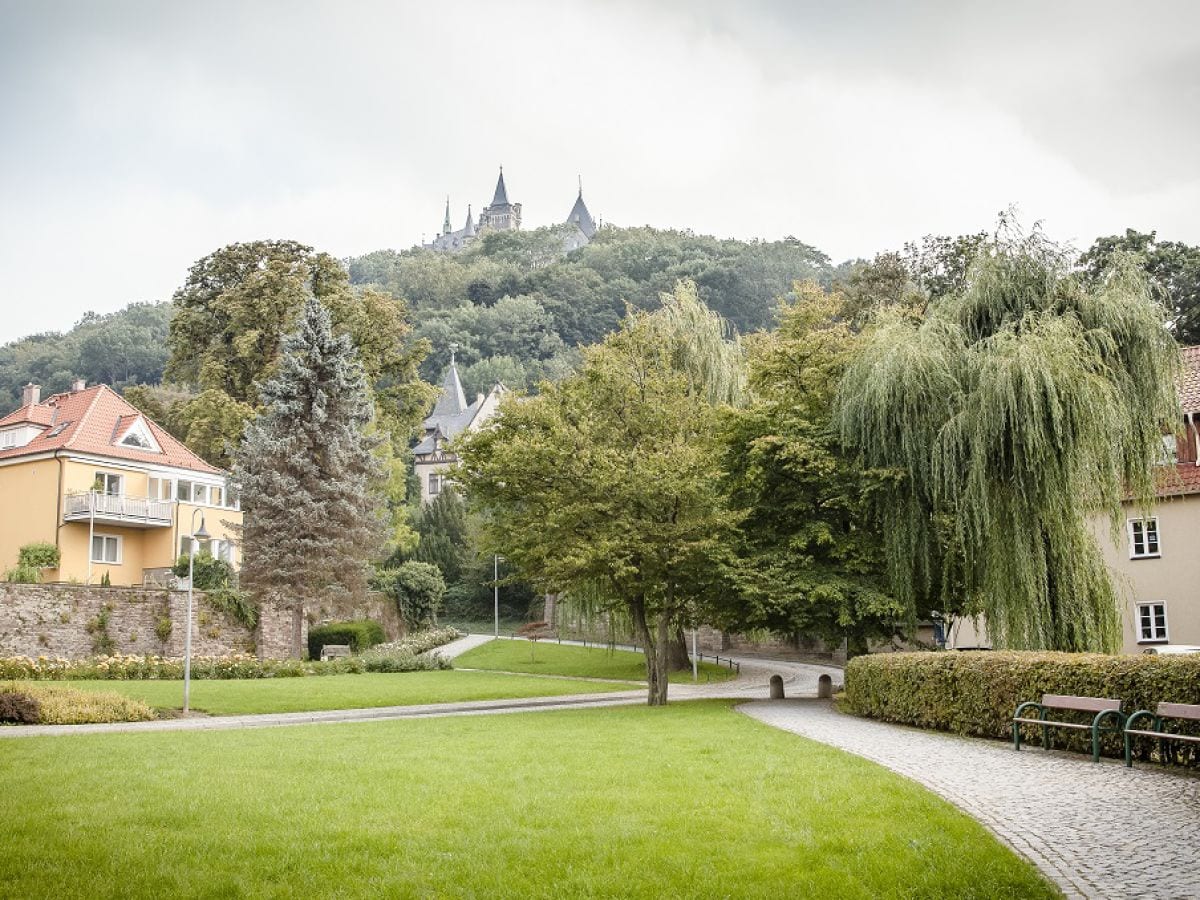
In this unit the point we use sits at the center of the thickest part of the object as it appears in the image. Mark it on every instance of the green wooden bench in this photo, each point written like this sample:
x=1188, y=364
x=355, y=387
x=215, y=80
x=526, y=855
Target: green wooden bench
x=1185, y=711
x=1103, y=707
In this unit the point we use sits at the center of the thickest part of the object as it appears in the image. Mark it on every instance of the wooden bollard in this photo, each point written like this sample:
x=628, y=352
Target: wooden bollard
x=824, y=687
x=776, y=687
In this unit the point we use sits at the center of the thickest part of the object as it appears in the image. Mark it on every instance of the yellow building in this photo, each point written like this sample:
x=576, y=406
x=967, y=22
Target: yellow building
x=86, y=471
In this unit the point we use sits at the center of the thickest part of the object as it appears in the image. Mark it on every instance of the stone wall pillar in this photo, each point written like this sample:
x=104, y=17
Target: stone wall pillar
x=282, y=630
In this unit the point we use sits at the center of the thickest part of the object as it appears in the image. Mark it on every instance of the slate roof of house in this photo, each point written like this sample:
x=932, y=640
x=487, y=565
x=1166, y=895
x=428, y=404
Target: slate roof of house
x=581, y=217
x=93, y=419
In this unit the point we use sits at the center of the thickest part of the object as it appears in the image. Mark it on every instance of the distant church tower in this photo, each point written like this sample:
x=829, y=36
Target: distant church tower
x=500, y=215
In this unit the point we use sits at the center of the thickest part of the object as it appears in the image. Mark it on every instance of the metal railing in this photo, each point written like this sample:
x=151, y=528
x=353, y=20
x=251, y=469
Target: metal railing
x=96, y=504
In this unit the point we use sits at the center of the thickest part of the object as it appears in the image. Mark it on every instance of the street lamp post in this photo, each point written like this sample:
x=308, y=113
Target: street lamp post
x=197, y=536
x=496, y=588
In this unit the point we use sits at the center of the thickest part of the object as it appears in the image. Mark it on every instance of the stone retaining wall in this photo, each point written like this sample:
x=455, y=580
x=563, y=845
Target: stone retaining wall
x=75, y=621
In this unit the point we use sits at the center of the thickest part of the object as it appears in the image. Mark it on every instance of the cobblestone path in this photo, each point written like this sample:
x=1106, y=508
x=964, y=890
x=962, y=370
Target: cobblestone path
x=1096, y=829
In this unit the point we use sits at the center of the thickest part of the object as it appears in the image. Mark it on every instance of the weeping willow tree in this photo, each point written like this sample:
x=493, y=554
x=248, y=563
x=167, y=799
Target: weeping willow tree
x=1011, y=412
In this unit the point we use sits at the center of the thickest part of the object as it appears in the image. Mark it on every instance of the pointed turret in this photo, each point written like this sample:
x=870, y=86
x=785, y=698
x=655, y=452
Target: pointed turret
x=501, y=196
x=469, y=228
x=446, y=222
x=579, y=215
x=452, y=400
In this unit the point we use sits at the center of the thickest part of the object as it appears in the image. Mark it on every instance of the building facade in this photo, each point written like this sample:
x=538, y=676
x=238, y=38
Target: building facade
x=503, y=215
x=116, y=494
x=451, y=416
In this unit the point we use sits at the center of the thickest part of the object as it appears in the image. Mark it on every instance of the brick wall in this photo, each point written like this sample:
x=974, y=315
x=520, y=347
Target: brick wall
x=375, y=605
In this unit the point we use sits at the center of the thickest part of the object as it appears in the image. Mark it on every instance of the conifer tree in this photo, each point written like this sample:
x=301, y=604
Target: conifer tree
x=308, y=476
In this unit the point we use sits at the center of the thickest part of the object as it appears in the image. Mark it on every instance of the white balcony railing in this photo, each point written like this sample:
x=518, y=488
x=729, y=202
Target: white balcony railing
x=103, y=507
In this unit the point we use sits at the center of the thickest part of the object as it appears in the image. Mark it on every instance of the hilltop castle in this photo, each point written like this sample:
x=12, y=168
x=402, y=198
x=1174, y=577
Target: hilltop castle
x=501, y=215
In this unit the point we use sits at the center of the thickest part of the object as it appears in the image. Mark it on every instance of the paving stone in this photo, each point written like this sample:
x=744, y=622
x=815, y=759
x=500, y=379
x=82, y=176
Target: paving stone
x=1098, y=830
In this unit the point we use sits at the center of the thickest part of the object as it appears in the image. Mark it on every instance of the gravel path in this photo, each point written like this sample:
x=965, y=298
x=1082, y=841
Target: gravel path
x=1096, y=829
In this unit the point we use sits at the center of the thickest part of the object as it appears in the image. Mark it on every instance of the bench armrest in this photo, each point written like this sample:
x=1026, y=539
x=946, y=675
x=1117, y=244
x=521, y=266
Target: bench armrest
x=1130, y=722
x=1030, y=705
x=1109, y=712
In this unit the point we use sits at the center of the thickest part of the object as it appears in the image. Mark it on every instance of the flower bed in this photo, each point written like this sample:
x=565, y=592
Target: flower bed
x=132, y=668
x=59, y=705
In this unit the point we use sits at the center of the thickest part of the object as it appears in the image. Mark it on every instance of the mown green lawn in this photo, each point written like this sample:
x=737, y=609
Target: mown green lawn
x=548, y=658
x=269, y=695
x=691, y=800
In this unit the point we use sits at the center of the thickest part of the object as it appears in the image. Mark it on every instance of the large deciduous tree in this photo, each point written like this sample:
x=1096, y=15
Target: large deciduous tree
x=610, y=478
x=308, y=476
x=1172, y=267
x=1012, y=409
x=813, y=558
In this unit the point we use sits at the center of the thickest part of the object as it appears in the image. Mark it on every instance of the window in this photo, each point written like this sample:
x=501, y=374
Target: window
x=1170, y=450
x=232, y=501
x=139, y=436
x=1152, y=622
x=136, y=439
x=108, y=483
x=1143, y=538
x=160, y=489
x=216, y=496
x=183, y=491
x=199, y=493
x=106, y=548
x=435, y=483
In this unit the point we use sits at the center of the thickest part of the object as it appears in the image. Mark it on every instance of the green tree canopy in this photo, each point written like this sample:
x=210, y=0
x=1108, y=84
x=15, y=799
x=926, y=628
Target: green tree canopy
x=814, y=562
x=1010, y=411
x=611, y=477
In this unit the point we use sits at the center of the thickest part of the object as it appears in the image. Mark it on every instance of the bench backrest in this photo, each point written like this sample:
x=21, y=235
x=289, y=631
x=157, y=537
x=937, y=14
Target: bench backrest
x=1080, y=704
x=330, y=650
x=1179, y=710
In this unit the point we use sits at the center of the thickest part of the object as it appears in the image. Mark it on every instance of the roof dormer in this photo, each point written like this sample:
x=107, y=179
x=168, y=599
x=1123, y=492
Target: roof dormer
x=133, y=432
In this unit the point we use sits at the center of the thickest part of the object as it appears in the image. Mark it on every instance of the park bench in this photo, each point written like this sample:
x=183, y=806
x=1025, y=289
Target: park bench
x=1103, y=707
x=333, y=651
x=1185, y=711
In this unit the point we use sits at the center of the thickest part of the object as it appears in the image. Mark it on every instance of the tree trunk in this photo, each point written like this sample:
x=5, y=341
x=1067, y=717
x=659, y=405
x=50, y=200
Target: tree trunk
x=679, y=660
x=656, y=667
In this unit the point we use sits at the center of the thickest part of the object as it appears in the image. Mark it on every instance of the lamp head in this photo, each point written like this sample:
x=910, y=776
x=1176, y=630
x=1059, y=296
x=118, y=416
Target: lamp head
x=202, y=534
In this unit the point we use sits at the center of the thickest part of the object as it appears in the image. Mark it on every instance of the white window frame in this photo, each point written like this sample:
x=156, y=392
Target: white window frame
x=165, y=485
x=435, y=483
x=146, y=442
x=1154, y=637
x=1170, y=450
x=1133, y=526
x=105, y=476
x=118, y=541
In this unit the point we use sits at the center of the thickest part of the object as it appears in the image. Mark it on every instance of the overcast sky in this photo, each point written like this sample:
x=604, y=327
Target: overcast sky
x=137, y=137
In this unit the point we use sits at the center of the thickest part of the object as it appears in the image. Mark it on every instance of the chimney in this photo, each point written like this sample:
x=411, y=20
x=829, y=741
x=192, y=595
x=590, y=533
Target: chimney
x=31, y=394
x=78, y=384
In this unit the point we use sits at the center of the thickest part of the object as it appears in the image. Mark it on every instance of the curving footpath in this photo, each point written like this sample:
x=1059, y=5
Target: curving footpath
x=1096, y=829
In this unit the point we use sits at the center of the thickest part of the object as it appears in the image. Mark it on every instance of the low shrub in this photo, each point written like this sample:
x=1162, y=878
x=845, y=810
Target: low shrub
x=977, y=693
x=39, y=555
x=208, y=572
x=17, y=707
x=235, y=604
x=58, y=705
x=22, y=574
x=361, y=634
x=378, y=659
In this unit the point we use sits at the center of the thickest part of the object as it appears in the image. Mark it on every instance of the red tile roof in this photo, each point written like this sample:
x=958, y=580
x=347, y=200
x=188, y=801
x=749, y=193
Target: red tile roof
x=1189, y=379
x=92, y=417
x=1179, y=480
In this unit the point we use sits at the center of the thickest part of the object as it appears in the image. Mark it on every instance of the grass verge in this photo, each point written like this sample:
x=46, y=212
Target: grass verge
x=548, y=658
x=272, y=695
x=691, y=800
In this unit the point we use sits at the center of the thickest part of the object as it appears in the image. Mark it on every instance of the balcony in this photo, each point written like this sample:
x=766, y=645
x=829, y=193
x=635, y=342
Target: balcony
x=111, y=509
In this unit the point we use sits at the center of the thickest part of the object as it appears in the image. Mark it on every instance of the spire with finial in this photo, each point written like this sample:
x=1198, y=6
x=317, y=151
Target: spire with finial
x=469, y=228
x=446, y=222
x=501, y=196
x=579, y=215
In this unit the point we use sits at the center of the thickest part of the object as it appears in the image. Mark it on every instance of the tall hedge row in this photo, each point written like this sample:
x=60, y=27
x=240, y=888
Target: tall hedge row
x=977, y=693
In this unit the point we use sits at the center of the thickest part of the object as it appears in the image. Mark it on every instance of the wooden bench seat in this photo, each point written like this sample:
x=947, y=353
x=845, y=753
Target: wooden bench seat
x=1104, y=708
x=1187, y=712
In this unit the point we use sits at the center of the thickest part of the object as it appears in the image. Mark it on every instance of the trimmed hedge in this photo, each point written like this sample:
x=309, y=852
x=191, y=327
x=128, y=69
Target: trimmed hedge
x=976, y=693
x=361, y=635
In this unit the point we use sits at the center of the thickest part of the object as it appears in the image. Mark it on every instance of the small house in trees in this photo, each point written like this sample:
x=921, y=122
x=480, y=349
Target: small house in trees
x=87, y=472
x=451, y=416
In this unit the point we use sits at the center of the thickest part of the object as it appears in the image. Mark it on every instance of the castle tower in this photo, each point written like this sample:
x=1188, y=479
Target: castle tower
x=500, y=214
x=446, y=222
x=580, y=217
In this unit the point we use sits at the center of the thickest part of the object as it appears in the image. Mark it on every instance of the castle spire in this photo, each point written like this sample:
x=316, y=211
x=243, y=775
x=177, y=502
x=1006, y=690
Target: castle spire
x=446, y=223
x=469, y=228
x=501, y=197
